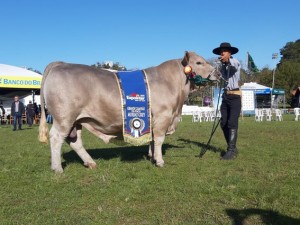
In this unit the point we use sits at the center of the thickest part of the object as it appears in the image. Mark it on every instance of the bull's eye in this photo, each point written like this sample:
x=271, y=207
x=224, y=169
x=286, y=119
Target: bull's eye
x=198, y=63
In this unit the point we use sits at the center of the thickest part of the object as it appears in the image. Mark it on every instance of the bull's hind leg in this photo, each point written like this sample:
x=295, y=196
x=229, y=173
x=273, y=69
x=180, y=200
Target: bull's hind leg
x=56, y=141
x=77, y=146
x=151, y=149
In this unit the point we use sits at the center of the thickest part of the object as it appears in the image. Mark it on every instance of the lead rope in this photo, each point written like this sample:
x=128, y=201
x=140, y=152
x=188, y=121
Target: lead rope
x=215, y=126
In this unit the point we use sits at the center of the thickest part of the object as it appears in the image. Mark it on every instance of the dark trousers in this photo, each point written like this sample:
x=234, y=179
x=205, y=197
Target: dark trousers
x=30, y=119
x=230, y=112
x=17, y=119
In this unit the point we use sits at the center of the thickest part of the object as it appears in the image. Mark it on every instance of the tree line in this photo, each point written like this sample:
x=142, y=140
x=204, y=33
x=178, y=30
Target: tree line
x=287, y=71
x=287, y=74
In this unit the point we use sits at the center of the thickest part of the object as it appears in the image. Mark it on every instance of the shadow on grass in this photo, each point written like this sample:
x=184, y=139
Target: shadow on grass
x=203, y=147
x=127, y=153
x=268, y=217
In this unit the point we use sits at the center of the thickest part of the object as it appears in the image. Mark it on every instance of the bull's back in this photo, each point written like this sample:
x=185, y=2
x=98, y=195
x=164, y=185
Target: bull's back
x=74, y=89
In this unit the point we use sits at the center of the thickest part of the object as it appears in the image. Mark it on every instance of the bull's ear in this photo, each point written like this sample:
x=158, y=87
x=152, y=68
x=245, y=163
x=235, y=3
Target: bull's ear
x=186, y=58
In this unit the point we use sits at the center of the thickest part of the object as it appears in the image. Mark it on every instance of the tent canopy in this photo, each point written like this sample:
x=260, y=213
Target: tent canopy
x=278, y=91
x=18, y=81
x=265, y=96
x=261, y=89
x=258, y=88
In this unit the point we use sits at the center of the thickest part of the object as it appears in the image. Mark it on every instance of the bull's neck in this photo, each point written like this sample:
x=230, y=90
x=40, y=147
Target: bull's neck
x=184, y=82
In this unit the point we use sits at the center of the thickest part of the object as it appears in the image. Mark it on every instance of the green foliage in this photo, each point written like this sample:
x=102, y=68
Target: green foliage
x=265, y=77
x=291, y=52
x=196, y=96
x=114, y=66
x=287, y=72
x=34, y=70
x=288, y=75
x=246, y=77
x=260, y=187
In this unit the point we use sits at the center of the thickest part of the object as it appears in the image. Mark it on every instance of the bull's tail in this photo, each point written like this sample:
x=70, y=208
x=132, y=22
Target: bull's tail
x=43, y=128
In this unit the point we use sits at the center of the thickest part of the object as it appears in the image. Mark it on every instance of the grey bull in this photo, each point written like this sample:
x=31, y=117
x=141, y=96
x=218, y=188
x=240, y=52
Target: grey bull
x=83, y=96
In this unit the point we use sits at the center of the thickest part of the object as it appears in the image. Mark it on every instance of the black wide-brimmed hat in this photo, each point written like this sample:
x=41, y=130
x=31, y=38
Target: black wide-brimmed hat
x=225, y=45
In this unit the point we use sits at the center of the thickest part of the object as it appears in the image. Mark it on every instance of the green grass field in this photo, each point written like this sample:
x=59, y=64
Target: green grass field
x=262, y=186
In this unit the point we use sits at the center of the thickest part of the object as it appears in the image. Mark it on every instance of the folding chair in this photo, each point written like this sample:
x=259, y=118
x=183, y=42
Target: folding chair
x=269, y=114
x=258, y=115
x=24, y=118
x=195, y=117
x=297, y=113
x=278, y=115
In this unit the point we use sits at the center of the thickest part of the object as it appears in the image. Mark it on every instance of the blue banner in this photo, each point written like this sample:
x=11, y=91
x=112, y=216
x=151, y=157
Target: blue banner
x=136, y=107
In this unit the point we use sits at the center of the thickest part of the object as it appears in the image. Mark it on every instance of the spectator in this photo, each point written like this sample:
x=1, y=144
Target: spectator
x=36, y=109
x=17, y=109
x=30, y=113
x=2, y=109
x=49, y=118
x=2, y=112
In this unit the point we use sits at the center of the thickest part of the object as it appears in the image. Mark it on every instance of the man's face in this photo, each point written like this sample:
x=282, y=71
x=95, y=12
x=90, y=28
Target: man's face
x=225, y=54
x=16, y=99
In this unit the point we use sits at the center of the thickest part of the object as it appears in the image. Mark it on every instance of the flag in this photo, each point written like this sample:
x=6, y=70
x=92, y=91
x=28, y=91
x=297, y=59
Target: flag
x=251, y=65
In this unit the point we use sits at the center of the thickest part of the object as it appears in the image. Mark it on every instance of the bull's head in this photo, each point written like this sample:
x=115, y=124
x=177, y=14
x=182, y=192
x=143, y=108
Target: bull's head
x=198, y=71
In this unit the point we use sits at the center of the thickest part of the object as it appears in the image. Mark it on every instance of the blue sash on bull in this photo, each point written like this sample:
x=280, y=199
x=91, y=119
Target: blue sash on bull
x=135, y=95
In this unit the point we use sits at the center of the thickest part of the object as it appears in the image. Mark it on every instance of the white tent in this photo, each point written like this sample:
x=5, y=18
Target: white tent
x=258, y=88
x=263, y=93
x=17, y=81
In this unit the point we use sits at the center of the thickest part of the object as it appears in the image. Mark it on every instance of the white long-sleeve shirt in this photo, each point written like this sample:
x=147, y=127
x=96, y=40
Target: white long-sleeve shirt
x=231, y=73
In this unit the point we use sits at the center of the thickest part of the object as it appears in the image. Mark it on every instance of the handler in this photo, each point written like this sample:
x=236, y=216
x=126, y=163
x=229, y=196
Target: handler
x=231, y=98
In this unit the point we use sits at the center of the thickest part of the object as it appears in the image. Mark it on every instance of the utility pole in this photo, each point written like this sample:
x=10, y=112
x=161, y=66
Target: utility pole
x=274, y=56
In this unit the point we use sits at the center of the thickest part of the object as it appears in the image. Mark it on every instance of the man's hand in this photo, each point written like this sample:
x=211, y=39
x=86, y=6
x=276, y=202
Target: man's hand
x=225, y=56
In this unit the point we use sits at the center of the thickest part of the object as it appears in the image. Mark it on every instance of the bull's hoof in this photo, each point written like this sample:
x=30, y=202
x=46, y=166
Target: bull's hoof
x=58, y=170
x=160, y=164
x=91, y=165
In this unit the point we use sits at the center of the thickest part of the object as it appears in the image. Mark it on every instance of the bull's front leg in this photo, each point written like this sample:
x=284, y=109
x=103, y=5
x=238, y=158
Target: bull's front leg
x=56, y=141
x=157, y=156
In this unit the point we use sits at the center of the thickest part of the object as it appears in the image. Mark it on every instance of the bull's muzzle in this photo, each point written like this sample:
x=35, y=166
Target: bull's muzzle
x=198, y=80
x=215, y=75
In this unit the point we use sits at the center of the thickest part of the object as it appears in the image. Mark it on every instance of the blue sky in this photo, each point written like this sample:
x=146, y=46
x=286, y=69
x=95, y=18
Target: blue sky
x=141, y=34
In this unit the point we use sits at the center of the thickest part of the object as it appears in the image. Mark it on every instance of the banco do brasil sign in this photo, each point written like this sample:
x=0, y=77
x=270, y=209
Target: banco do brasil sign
x=20, y=82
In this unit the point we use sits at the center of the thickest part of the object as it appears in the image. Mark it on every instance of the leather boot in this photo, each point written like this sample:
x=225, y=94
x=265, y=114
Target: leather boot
x=231, y=150
x=226, y=134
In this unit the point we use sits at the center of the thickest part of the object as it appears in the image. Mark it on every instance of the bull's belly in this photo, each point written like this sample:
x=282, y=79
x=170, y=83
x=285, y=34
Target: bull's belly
x=106, y=133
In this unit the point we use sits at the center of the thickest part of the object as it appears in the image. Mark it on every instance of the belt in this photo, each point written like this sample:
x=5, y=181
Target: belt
x=233, y=92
